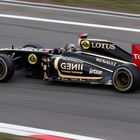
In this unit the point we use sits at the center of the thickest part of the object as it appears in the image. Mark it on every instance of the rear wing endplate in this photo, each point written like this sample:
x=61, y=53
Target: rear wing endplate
x=136, y=54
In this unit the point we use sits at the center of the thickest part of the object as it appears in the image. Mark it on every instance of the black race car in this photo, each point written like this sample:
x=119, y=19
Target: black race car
x=94, y=61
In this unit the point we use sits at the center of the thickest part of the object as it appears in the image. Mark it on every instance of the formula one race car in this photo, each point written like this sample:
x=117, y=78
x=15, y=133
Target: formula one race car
x=94, y=61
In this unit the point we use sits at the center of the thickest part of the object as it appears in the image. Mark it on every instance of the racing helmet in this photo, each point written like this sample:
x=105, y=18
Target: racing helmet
x=83, y=36
x=82, y=39
x=69, y=47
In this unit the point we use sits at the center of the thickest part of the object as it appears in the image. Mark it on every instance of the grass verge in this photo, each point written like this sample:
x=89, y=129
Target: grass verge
x=115, y=5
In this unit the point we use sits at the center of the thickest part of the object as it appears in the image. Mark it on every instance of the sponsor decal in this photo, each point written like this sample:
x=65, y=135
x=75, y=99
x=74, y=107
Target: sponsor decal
x=72, y=68
x=64, y=66
x=136, y=56
x=85, y=44
x=94, y=82
x=109, y=82
x=105, y=61
x=94, y=71
x=103, y=46
x=45, y=67
x=45, y=76
x=32, y=59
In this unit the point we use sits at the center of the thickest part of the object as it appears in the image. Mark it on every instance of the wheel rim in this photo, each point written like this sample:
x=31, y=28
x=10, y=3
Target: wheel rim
x=123, y=79
x=3, y=70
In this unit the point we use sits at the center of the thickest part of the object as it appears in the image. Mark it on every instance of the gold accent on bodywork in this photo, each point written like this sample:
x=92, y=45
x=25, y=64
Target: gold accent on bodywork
x=92, y=64
x=32, y=58
x=106, y=57
x=85, y=44
x=71, y=76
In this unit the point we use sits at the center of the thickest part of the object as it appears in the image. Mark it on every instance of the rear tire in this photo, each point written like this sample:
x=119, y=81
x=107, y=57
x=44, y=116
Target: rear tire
x=7, y=68
x=125, y=78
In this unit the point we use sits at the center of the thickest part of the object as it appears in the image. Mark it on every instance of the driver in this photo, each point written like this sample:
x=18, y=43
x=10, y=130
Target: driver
x=57, y=51
x=67, y=47
x=70, y=47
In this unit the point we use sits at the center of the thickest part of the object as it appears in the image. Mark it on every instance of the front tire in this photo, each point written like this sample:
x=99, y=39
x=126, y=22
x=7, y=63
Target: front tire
x=125, y=78
x=7, y=68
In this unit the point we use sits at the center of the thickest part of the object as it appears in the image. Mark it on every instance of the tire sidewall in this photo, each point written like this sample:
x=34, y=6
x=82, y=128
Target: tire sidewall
x=8, y=66
x=131, y=71
x=5, y=69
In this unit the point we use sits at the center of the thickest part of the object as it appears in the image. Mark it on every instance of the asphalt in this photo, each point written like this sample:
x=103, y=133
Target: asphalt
x=91, y=110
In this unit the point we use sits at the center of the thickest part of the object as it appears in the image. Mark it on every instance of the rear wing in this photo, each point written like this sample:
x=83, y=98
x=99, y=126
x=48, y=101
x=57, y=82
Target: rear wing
x=136, y=54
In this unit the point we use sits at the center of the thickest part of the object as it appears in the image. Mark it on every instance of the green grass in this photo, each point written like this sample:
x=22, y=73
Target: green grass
x=117, y=5
x=12, y=137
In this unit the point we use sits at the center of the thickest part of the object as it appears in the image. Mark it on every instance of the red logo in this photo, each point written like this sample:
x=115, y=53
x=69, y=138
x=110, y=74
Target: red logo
x=136, y=54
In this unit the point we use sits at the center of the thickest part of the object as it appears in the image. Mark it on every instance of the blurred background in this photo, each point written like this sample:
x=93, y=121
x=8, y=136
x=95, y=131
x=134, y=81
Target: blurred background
x=115, y=5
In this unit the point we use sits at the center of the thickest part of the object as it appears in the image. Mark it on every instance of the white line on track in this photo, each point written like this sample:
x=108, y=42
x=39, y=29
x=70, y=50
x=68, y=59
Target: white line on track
x=69, y=23
x=71, y=9
x=27, y=131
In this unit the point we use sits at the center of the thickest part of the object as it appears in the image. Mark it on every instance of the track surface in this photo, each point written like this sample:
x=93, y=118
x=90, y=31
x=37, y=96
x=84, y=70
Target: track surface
x=74, y=108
